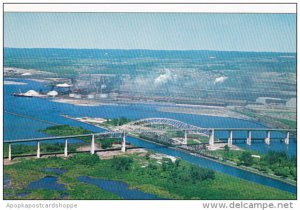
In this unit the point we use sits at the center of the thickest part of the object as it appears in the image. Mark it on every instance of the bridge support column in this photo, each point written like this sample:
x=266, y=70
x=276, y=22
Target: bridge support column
x=123, y=148
x=38, y=152
x=287, y=138
x=230, y=139
x=93, y=145
x=9, y=152
x=249, y=138
x=185, y=137
x=268, y=138
x=211, y=138
x=66, y=148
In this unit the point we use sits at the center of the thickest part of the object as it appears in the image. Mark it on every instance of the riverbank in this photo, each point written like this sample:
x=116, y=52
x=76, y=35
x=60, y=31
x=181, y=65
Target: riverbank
x=274, y=117
x=100, y=123
x=231, y=164
x=203, y=110
x=77, y=102
x=145, y=173
x=244, y=168
x=7, y=82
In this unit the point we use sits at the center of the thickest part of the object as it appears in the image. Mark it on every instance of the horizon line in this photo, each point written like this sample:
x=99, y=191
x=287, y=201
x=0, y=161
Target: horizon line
x=71, y=48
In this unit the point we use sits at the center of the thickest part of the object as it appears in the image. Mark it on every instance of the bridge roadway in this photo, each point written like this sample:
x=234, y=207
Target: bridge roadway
x=140, y=125
x=249, y=138
x=121, y=135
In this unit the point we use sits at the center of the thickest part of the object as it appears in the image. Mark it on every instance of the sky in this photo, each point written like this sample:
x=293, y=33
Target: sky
x=154, y=31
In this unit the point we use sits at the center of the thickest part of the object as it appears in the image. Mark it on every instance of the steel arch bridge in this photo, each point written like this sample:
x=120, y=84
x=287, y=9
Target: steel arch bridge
x=158, y=127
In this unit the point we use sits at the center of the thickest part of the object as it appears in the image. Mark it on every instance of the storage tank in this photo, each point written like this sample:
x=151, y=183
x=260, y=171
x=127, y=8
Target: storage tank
x=52, y=93
x=31, y=93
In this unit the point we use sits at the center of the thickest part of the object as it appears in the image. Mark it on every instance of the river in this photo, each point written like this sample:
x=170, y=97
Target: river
x=16, y=127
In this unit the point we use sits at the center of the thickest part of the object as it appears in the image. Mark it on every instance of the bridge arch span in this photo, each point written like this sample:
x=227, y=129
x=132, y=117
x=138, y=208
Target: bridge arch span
x=165, y=121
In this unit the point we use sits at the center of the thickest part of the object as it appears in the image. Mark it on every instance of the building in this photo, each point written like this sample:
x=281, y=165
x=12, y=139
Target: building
x=52, y=93
x=269, y=100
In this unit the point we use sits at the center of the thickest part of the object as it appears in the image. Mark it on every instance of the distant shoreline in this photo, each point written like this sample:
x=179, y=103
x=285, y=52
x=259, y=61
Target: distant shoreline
x=7, y=82
x=153, y=50
x=204, y=111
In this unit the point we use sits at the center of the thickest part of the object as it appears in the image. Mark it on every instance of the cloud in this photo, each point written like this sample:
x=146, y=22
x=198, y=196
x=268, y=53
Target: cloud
x=220, y=80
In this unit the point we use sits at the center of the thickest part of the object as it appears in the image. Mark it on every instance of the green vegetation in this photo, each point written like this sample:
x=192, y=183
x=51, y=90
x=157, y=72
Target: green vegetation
x=161, y=139
x=246, y=159
x=278, y=163
x=84, y=159
x=117, y=121
x=107, y=143
x=191, y=138
x=281, y=164
x=274, y=119
x=67, y=130
x=288, y=123
x=122, y=163
x=192, y=141
x=167, y=179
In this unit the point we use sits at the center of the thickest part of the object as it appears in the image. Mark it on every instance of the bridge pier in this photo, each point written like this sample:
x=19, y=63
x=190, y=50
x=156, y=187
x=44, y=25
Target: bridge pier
x=185, y=137
x=38, y=152
x=123, y=148
x=249, y=139
x=93, y=145
x=66, y=148
x=268, y=138
x=9, y=152
x=211, y=138
x=287, y=138
x=230, y=139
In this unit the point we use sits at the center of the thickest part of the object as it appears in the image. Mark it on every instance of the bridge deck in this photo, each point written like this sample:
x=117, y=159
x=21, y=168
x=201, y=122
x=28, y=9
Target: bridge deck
x=252, y=129
x=74, y=152
x=61, y=137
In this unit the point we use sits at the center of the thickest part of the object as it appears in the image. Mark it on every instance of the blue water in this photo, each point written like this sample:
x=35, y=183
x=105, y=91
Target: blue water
x=48, y=183
x=119, y=188
x=47, y=110
x=6, y=181
x=18, y=128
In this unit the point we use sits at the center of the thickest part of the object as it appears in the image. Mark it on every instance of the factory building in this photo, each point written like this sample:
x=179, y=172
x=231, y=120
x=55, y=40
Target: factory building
x=269, y=100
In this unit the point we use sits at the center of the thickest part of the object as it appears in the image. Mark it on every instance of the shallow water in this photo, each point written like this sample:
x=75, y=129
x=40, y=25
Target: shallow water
x=6, y=181
x=119, y=188
x=48, y=183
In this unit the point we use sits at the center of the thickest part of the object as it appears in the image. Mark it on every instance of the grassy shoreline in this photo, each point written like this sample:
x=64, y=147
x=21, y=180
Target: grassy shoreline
x=147, y=187
x=63, y=130
x=152, y=179
x=213, y=158
x=291, y=182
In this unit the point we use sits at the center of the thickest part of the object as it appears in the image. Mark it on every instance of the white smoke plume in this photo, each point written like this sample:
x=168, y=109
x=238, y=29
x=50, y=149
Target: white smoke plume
x=220, y=80
x=164, y=78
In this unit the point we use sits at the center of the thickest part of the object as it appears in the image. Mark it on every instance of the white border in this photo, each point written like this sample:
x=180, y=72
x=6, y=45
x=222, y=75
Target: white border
x=236, y=8
x=183, y=8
